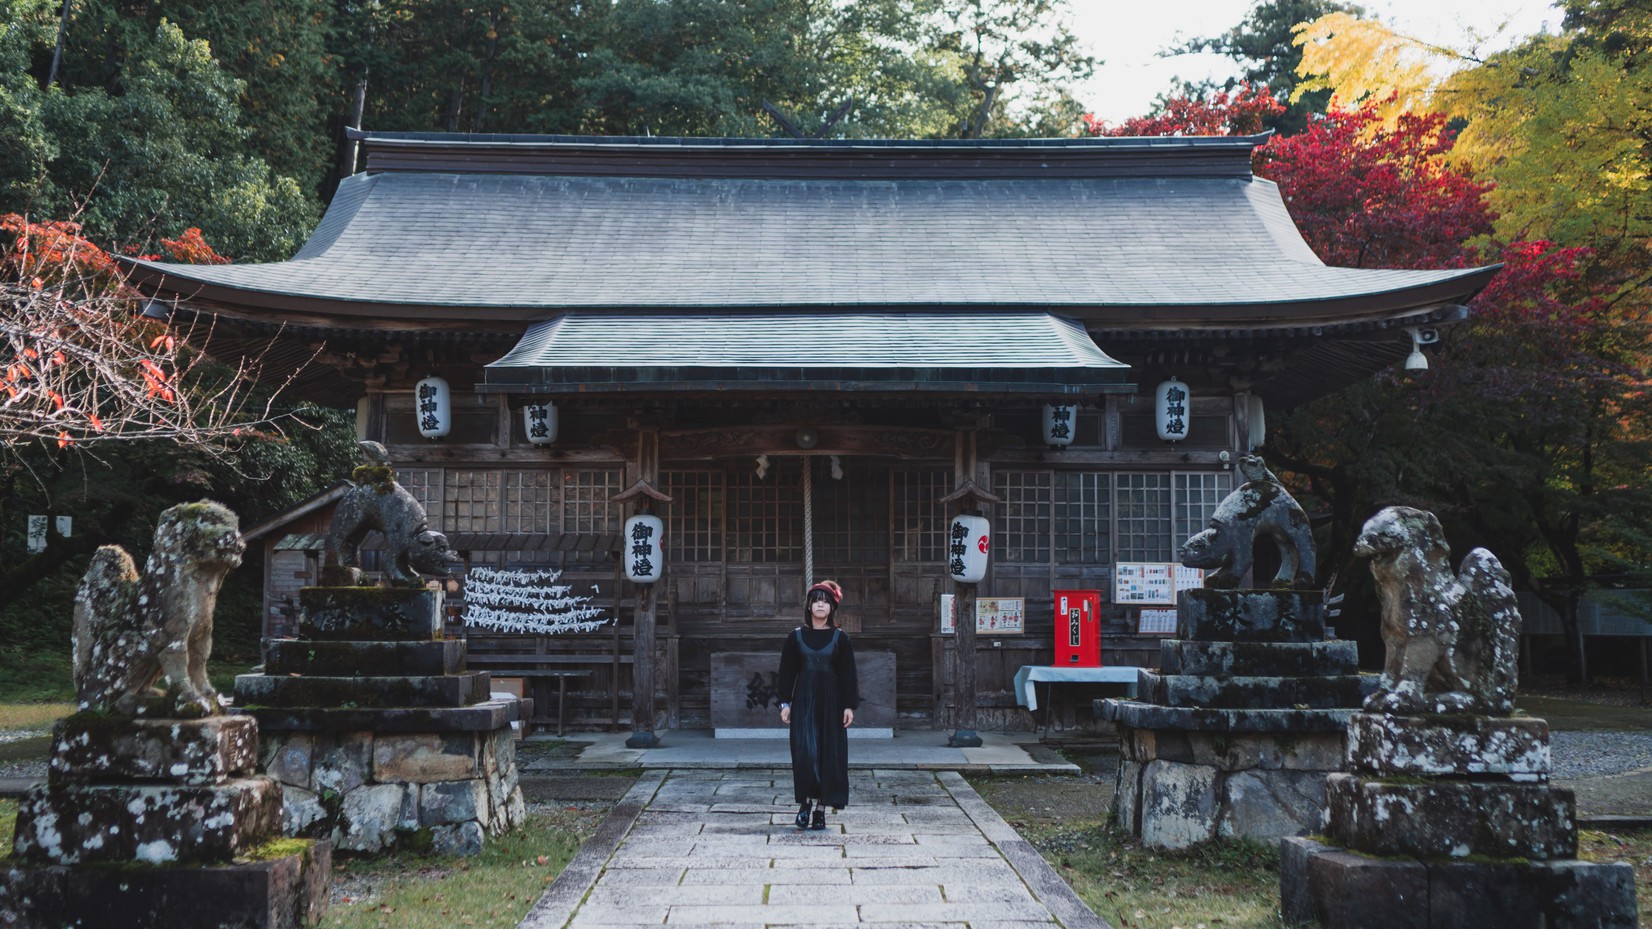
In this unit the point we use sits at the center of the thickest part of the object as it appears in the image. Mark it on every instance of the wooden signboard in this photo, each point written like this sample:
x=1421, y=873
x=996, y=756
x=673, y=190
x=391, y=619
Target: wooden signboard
x=745, y=704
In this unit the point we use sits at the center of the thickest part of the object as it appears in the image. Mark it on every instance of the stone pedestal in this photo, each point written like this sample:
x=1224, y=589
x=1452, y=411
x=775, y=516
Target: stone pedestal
x=1236, y=732
x=145, y=822
x=1449, y=821
x=375, y=730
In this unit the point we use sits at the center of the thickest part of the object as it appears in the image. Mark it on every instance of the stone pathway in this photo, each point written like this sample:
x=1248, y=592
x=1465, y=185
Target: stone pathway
x=704, y=847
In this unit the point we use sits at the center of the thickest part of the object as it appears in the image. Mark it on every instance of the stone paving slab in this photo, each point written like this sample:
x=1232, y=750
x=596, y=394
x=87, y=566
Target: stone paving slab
x=914, y=849
x=910, y=752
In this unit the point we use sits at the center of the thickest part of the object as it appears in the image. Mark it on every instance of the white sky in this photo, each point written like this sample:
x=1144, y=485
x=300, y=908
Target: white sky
x=1128, y=35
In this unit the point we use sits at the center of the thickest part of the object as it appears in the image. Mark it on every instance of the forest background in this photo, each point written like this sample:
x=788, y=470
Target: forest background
x=200, y=130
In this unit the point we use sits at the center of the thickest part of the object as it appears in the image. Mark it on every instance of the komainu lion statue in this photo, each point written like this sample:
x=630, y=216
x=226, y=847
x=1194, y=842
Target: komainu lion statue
x=1452, y=639
x=1260, y=506
x=377, y=502
x=130, y=629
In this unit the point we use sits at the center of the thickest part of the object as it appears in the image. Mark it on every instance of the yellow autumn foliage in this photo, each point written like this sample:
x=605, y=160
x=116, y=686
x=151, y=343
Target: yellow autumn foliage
x=1361, y=59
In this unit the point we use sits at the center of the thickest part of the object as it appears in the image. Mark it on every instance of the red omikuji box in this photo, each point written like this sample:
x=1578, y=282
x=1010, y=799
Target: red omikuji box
x=1077, y=628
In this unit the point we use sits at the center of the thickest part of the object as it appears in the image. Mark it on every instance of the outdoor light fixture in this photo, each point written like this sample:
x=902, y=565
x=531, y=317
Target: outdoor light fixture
x=1171, y=403
x=1417, y=361
x=644, y=548
x=433, y=405
x=807, y=438
x=539, y=422
x=969, y=539
x=1059, y=421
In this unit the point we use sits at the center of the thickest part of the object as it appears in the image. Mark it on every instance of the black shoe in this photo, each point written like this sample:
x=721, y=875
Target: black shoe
x=803, y=816
x=819, y=822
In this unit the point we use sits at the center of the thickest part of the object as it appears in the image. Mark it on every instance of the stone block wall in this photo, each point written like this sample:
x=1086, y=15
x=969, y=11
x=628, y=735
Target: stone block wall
x=370, y=791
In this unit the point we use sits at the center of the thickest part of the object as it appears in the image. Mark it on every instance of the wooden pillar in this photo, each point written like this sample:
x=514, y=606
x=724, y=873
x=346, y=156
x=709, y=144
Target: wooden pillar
x=647, y=473
x=642, y=675
x=967, y=496
x=963, y=668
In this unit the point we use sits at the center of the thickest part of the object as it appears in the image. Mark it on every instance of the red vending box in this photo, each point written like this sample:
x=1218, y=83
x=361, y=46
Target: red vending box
x=1078, y=628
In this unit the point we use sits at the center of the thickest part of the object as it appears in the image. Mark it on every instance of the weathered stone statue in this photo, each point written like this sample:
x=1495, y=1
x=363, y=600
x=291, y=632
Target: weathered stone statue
x=378, y=502
x=1444, y=814
x=1260, y=506
x=1235, y=731
x=379, y=734
x=1452, y=639
x=152, y=813
x=131, y=629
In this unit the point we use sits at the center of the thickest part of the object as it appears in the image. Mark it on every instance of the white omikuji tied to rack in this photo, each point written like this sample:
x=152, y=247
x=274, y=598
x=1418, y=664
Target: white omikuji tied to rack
x=527, y=601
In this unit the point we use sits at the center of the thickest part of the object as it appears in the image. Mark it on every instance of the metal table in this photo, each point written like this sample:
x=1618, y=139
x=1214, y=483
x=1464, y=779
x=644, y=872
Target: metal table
x=1027, y=678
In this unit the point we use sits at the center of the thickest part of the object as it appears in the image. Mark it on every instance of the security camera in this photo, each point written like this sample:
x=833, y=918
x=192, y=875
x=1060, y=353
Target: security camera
x=1417, y=361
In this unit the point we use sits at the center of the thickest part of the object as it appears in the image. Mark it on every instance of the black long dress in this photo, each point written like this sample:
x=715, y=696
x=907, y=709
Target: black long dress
x=817, y=676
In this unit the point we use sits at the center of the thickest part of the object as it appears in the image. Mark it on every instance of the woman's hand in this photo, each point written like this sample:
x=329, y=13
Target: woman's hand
x=785, y=716
x=848, y=717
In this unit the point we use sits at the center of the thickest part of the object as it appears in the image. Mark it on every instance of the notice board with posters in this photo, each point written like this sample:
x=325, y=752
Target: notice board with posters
x=993, y=615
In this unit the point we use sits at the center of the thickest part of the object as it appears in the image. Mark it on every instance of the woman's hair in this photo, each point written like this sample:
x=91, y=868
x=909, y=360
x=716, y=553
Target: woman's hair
x=831, y=592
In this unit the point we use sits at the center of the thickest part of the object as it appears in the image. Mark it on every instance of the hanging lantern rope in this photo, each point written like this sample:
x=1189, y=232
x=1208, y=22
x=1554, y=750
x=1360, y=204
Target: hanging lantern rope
x=808, y=523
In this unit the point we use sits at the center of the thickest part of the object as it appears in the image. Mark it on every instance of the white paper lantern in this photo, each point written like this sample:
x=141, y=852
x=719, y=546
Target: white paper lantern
x=1256, y=422
x=539, y=422
x=1171, y=405
x=644, y=543
x=1060, y=422
x=433, y=405
x=968, y=541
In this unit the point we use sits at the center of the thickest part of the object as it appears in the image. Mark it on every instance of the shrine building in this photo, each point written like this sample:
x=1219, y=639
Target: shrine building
x=805, y=357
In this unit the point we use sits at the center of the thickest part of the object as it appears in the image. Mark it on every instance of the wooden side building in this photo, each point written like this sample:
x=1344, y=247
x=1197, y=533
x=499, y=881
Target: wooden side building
x=789, y=334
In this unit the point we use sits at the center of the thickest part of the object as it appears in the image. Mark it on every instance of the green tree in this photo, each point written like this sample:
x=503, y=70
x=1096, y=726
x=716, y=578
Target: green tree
x=154, y=150
x=1015, y=61
x=920, y=68
x=1263, y=44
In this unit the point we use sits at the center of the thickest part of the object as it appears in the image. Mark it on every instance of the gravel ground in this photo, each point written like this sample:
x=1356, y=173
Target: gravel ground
x=1595, y=753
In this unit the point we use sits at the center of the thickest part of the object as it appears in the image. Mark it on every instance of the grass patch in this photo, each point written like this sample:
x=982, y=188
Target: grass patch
x=32, y=716
x=1217, y=885
x=1633, y=846
x=493, y=889
x=1227, y=884
x=36, y=675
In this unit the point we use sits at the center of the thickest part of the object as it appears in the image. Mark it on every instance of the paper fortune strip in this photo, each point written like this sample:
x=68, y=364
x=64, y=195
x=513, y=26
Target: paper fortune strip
x=527, y=602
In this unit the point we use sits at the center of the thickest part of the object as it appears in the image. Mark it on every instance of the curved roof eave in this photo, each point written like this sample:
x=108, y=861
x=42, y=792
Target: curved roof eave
x=171, y=283
x=1121, y=234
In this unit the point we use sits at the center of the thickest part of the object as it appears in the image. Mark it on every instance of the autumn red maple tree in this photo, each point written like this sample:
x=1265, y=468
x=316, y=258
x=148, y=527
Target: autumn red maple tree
x=1242, y=111
x=1528, y=434
x=1369, y=195
x=81, y=364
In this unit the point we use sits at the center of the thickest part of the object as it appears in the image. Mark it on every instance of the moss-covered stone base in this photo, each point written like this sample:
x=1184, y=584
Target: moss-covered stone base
x=280, y=886
x=371, y=791
x=1337, y=889
x=404, y=614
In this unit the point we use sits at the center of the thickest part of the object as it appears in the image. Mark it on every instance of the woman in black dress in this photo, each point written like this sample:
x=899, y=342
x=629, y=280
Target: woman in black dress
x=819, y=693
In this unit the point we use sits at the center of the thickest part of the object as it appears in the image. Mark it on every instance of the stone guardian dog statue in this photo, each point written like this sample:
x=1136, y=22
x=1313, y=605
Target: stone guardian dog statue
x=129, y=629
x=1452, y=639
x=378, y=502
x=1260, y=506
